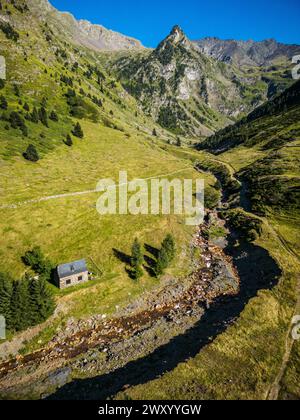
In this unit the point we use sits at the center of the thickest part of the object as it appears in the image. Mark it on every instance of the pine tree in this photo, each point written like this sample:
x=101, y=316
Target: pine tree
x=3, y=102
x=43, y=116
x=35, y=116
x=24, y=130
x=17, y=90
x=68, y=141
x=31, y=153
x=5, y=299
x=77, y=131
x=162, y=262
x=136, y=260
x=20, y=305
x=53, y=116
x=42, y=304
x=169, y=245
x=26, y=107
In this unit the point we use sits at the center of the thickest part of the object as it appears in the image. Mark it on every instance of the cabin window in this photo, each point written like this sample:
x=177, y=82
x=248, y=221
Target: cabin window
x=68, y=282
x=80, y=278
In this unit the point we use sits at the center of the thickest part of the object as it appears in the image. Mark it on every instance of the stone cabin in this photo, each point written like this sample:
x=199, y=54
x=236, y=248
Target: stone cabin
x=72, y=274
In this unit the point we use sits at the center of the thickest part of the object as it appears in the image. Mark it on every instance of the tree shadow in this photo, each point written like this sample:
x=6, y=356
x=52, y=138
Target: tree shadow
x=150, y=265
x=257, y=271
x=151, y=250
x=124, y=258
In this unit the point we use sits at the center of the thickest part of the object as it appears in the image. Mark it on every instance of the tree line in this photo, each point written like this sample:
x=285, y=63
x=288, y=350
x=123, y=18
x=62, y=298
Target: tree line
x=29, y=301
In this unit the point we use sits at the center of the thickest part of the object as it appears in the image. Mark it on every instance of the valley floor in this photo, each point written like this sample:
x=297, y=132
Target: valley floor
x=199, y=344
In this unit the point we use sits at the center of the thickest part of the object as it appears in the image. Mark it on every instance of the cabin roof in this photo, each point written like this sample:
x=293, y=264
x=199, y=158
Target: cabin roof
x=69, y=269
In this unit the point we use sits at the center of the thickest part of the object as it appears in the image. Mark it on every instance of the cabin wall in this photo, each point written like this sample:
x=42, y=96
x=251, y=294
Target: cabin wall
x=73, y=280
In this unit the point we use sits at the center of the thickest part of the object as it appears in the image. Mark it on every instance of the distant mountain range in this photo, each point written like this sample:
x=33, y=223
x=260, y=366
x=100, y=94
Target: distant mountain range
x=191, y=88
x=99, y=38
x=249, y=53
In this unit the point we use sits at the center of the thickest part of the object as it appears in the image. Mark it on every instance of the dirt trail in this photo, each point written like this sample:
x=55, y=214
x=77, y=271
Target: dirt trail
x=79, y=193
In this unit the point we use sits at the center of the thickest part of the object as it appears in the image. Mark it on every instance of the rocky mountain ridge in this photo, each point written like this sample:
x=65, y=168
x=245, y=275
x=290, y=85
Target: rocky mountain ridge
x=250, y=53
x=191, y=93
x=82, y=32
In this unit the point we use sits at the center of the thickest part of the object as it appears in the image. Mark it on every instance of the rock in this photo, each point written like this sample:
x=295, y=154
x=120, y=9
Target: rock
x=60, y=377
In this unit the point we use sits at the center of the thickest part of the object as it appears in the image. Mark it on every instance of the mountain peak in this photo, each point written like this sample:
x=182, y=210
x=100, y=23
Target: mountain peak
x=176, y=37
x=177, y=30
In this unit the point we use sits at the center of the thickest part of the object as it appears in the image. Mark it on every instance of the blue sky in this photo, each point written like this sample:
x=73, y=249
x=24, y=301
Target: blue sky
x=151, y=21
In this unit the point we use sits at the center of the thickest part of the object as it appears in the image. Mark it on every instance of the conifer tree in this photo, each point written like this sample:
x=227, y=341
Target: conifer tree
x=162, y=262
x=136, y=260
x=68, y=141
x=35, y=116
x=77, y=131
x=5, y=299
x=3, y=102
x=26, y=107
x=53, y=116
x=169, y=245
x=43, y=116
x=31, y=153
x=17, y=90
x=41, y=301
x=20, y=305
